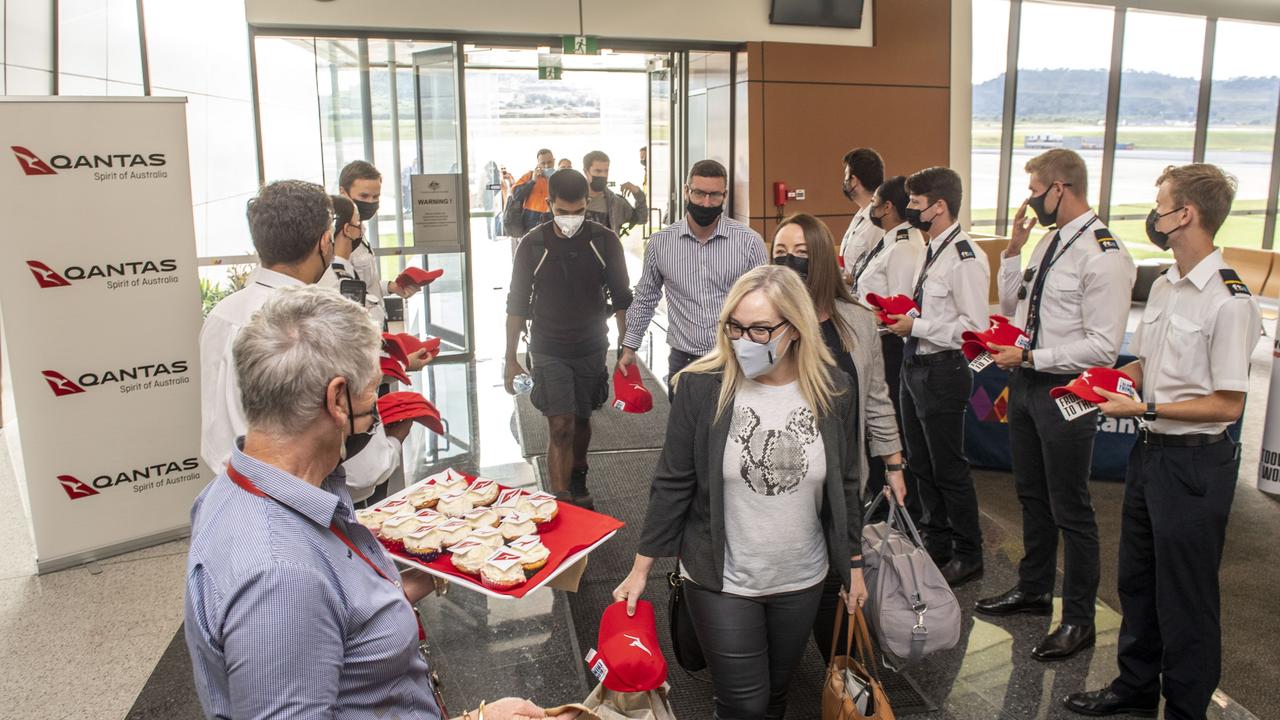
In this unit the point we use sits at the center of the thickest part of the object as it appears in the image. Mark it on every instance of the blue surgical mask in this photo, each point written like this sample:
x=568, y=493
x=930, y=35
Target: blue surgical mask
x=548, y=172
x=755, y=358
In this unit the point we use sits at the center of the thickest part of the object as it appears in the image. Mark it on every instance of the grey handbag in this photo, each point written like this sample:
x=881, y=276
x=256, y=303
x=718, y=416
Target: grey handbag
x=909, y=605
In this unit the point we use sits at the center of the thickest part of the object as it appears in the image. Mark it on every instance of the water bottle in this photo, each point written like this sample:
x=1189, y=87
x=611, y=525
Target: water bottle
x=522, y=383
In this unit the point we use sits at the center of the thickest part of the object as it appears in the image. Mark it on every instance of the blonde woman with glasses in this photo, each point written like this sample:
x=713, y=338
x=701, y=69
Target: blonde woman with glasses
x=757, y=491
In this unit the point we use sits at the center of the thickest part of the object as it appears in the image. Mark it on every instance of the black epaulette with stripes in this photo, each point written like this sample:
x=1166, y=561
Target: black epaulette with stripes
x=1233, y=282
x=965, y=250
x=1106, y=240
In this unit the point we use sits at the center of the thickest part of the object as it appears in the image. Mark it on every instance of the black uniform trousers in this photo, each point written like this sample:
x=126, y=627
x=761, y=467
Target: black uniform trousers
x=935, y=392
x=891, y=348
x=1173, y=526
x=1052, y=459
x=677, y=360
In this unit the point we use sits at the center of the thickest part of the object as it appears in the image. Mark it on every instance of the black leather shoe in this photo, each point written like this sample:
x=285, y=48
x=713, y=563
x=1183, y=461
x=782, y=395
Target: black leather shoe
x=1015, y=601
x=1100, y=703
x=1065, y=641
x=958, y=572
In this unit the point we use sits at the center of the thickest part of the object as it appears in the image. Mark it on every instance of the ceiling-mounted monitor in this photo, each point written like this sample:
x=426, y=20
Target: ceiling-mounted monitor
x=817, y=13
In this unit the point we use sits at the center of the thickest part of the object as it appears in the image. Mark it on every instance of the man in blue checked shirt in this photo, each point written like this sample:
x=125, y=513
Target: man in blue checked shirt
x=293, y=609
x=694, y=262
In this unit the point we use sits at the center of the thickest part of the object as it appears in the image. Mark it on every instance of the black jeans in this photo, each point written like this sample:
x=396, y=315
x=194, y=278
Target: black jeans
x=891, y=348
x=752, y=645
x=677, y=360
x=1051, y=462
x=1172, y=528
x=935, y=390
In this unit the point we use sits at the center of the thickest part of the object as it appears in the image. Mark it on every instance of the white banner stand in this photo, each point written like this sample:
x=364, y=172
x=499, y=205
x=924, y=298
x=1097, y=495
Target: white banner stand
x=101, y=307
x=1269, y=464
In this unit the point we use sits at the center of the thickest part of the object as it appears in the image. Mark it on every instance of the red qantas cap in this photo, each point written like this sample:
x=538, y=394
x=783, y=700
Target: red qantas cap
x=893, y=305
x=412, y=344
x=999, y=332
x=397, y=406
x=1108, y=379
x=418, y=276
x=393, y=346
x=392, y=369
x=629, y=393
x=629, y=658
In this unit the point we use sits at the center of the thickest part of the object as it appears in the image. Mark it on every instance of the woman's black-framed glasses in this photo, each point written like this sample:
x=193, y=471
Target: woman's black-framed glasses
x=759, y=334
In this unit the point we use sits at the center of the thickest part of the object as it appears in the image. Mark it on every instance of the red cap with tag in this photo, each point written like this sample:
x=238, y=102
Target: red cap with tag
x=629, y=658
x=393, y=346
x=397, y=406
x=1000, y=332
x=1109, y=379
x=391, y=368
x=629, y=393
x=407, y=345
x=418, y=276
x=893, y=305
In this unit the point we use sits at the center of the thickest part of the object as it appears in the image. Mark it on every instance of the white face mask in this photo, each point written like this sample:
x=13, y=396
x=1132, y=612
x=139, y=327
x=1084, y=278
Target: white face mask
x=756, y=359
x=569, y=224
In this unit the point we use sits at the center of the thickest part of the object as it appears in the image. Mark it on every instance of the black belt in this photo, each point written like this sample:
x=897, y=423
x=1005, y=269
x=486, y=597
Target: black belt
x=1191, y=440
x=938, y=358
x=1036, y=376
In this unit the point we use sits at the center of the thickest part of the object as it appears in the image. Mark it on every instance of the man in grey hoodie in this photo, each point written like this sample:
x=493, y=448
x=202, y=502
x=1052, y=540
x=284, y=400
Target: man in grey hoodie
x=605, y=206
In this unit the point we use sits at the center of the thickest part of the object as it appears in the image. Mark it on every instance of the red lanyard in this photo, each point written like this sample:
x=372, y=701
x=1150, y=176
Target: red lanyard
x=247, y=485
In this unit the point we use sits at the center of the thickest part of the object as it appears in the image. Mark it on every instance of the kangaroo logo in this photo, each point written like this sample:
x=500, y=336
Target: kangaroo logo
x=60, y=384
x=74, y=488
x=45, y=276
x=30, y=162
x=635, y=642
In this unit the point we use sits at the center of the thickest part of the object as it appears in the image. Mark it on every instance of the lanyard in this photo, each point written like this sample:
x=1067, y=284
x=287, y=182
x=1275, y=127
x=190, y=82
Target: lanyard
x=1058, y=255
x=929, y=261
x=865, y=261
x=248, y=486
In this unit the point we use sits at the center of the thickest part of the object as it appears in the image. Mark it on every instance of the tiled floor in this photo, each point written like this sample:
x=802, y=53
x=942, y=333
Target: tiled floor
x=82, y=642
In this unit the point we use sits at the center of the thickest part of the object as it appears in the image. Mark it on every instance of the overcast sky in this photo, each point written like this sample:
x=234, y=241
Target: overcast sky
x=1079, y=37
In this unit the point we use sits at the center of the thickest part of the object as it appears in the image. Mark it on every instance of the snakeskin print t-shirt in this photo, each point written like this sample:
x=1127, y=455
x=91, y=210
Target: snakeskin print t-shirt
x=775, y=469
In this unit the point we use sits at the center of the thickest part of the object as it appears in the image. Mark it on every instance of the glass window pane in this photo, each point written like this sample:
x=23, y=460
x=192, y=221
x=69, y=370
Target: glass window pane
x=1159, y=94
x=1062, y=88
x=288, y=106
x=28, y=29
x=990, y=57
x=1242, y=121
x=198, y=47
x=341, y=125
x=97, y=39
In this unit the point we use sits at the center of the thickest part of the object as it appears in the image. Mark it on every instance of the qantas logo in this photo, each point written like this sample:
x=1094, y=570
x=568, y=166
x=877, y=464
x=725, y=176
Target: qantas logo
x=74, y=488
x=635, y=642
x=45, y=276
x=60, y=384
x=30, y=162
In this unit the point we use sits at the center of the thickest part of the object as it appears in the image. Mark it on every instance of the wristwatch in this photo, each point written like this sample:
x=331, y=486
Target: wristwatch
x=1026, y=359
x=1150, y=415
x=894, y=467
x=856, y=564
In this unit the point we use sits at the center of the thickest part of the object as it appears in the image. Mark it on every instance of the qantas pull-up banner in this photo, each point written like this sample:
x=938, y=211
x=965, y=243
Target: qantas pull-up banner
x=101, y=306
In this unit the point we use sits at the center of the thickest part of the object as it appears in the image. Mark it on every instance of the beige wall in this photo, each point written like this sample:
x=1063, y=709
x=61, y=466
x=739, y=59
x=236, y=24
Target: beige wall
x=705, y=20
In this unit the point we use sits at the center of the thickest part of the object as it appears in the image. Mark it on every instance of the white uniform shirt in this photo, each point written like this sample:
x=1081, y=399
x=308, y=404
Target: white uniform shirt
x=954, y=296
x=1085, y=301
x=1195, y=338
x=892, y=270
x=366, y=267
x=860, y=237
x=220, y=408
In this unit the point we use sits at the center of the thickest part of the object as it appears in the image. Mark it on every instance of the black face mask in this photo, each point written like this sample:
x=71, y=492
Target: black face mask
x=367, y=209
x=1043, y=216
x=1157, y=238
x=877, y=221
x=914, y=216
x=848, y=191
x=324, y=264
x=703, y=215
x=355, y=442
x=795, y=262
x=598, y=184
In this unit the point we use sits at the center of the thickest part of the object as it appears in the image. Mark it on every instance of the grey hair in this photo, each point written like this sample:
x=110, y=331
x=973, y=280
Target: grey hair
x=300, y=340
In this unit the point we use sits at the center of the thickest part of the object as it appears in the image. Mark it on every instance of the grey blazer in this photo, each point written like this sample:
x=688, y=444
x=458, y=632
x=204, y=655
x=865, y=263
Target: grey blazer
x=686, y=501
x=878, y=420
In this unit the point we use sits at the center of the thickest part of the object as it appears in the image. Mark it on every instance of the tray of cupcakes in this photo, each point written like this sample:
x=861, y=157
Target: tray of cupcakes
x=499, y=541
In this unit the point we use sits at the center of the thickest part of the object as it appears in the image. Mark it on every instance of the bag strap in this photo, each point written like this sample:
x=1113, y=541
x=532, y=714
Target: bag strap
x=841, y=611
x=866, y=651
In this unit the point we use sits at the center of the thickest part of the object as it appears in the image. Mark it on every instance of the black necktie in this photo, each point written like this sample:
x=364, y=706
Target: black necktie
x=1037, y=289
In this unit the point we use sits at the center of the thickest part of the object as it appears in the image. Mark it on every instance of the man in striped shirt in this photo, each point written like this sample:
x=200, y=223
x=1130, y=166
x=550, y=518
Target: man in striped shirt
x=694, y=261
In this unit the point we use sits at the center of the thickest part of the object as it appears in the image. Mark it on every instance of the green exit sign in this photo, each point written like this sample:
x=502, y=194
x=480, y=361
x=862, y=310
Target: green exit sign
x=549, y=73
x=580, y=45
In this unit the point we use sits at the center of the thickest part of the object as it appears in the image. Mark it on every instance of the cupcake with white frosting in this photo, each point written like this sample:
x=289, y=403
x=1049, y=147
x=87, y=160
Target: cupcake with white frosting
x=503, y=570
x=423, y=543
x=533, y=553
x=517, y=525
x=488, y=536
x=483, y=517
x=483, y=492
x=453, y=531
x=455, y=504
x=543, y=507
x=394, y=530
x=469, y=556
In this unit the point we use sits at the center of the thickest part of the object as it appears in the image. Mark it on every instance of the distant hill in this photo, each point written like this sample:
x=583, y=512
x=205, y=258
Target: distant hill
x=1145, y=98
